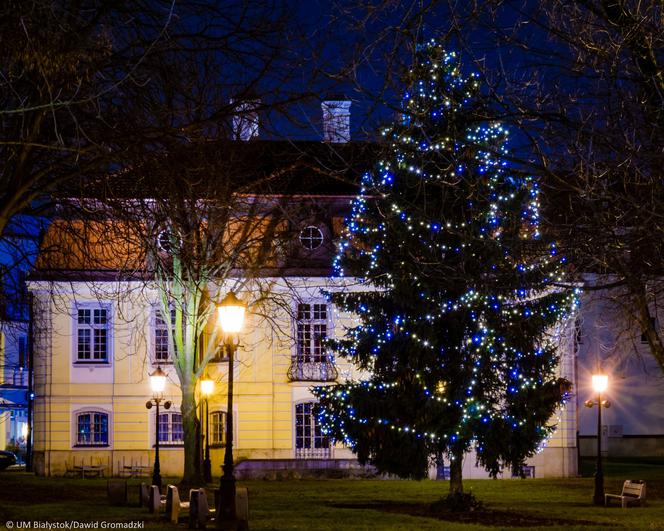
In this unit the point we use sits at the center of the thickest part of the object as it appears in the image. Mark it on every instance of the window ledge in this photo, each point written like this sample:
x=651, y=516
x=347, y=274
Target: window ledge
x=91, y=446
x=92, y=364
x=163, y=445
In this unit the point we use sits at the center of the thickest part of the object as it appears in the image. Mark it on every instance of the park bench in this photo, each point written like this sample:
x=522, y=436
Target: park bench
x=144, y=495
x=241, y=506
x=633, y=492
x=117, y=491
x=156, y=500
x=173, y=504
x=199, y=511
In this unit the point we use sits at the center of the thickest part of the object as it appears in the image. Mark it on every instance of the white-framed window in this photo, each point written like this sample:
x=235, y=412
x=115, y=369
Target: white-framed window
x=91, y=428
x=218, y=428
x=93, y=333
x=170, y=428
x=311, y=332
x=162, y=347
x=310, y=443
x=311, y=360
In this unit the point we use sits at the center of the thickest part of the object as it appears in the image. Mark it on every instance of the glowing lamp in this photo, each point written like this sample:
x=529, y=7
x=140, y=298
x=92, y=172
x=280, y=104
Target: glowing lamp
x=231, y=312
x=600, y=382
x=158, y=381
x=207, y=386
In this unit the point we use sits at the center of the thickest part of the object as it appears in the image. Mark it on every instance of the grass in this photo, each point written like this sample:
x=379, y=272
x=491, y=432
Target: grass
x=365, y=504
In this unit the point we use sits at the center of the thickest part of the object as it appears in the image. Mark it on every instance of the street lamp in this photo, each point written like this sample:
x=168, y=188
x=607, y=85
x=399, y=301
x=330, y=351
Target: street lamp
x=231, y=312
x=600, y=383
x=158, y=383
x=207, y=387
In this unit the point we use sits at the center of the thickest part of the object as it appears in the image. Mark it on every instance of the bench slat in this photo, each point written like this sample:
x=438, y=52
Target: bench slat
x=632, y=492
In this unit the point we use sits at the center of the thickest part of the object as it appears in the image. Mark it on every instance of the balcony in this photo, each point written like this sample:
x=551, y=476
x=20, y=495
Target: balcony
x=304, y=370
x=313, y=453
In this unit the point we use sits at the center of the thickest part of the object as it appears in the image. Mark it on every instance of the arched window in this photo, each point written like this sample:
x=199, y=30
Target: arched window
x=218, y=428
x=91, y=428
x=310, y=443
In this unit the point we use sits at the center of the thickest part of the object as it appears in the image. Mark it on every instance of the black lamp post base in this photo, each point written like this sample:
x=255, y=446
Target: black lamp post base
x=207, y=471
x=598, y=493
x=226, y=516
x=156, y=479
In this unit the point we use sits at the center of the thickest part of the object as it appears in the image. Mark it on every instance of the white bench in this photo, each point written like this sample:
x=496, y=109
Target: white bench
x=633, y=492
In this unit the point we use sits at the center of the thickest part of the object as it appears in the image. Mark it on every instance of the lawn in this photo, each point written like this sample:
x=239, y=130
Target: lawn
x=363, y=504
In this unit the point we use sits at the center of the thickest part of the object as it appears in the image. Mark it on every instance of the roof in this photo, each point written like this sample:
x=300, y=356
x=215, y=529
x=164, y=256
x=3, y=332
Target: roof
x=252, y=167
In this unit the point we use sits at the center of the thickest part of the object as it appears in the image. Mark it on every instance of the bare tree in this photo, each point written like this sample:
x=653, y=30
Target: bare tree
x=86, y=85
x=125, y=118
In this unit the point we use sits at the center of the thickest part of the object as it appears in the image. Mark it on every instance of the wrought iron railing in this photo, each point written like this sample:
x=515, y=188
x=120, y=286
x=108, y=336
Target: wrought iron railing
x=302, y=370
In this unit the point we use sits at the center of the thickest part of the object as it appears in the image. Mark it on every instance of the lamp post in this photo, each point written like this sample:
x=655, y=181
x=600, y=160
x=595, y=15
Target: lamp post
x=207, y=387
x=600, y=383
x=231, y=312
x=158, y=383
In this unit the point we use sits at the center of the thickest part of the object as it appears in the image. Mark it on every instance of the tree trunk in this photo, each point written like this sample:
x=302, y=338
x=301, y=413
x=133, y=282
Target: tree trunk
x=645, y=319
x=456, y=464
x=192, y=471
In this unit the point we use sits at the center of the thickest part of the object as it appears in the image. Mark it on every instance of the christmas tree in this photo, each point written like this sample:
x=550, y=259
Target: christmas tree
x=459, y=293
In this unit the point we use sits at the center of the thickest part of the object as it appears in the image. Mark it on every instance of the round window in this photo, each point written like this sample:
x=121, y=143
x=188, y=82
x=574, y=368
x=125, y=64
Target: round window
x=311, y=237
x=164, y=241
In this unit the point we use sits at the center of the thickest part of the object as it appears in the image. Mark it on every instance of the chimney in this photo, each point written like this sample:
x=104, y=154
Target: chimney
x=245, y=120
x=336, y=120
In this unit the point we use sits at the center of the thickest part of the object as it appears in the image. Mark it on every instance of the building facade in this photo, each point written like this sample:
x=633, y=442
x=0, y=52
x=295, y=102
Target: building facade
x=98, y=340
x=100, y=332
x=610, y=341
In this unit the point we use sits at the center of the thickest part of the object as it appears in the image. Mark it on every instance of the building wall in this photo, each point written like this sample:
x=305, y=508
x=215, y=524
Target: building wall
x=13, y=383
x=610, y=341
x=264, y=398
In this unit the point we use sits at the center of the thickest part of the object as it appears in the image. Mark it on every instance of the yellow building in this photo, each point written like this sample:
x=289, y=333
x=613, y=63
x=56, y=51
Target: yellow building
x=91, y=395
x=94, y=354
x=99, y=333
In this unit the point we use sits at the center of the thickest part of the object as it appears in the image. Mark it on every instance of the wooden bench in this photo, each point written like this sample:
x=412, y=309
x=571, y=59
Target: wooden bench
x=89, y=471
x=173, y=504
x=527, y=471
x=134, y=471
x=633, y=493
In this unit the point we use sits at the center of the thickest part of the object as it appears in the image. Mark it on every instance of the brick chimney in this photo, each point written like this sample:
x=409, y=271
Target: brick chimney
x=245, y=120
x=336, y=120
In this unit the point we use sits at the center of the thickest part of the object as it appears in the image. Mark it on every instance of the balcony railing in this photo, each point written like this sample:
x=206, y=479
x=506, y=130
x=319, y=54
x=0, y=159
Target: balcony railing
x=313, y=453
x=302, y=370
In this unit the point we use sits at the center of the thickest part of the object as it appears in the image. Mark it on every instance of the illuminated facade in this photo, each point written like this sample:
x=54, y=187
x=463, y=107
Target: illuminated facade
x=99, y=331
